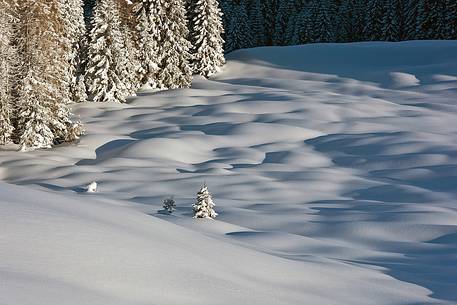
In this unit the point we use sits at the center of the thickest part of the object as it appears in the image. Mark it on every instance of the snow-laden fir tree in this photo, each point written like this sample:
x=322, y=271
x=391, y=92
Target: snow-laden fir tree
x=373, y=30
x=8, y=61
x=169, y=205
x=285, y=11
x=410, y=13
x=441, y=22
x=426, y=19
x=148, y=17
x=302, y=29
x=451, y=19
x=392, y=21
x=238, y=34
x=204, y=207
x=75, y=31
x=131, y=63
x=206, y=29
x=269, y=14
x=350, y=21
x=256, y=23
x=322, y=15
x=174, y=56
x=108, y=70
x=226, y=8
x=43, y=117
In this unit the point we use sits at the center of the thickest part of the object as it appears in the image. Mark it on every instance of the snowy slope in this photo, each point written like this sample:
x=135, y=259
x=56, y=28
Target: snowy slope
x=333, y=168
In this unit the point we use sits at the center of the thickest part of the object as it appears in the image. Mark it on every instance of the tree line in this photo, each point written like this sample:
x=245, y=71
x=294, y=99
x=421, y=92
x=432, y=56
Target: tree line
x=251, y=23
x=57, y=52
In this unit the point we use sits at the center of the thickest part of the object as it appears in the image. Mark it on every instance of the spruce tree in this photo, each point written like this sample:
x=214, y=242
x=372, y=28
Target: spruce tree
x=451, y=19
x=392, y=21
x=106, y=72
x=351, y=21
x=130, y=61
x=8, y=61
x=303, y=28
x=169, y=205
x=411, y=14
x=374, y=23
x=148, y=18
x=226, y=8
x=174, y=57
x=322, y=14
x=43, y=92
x=257, y=23
x=426, y=19
x=204, y=207
x=238, y=34
x=269, y=13
x=440, y=28
x=286, y=10
x=206, y=31
x=75, y=32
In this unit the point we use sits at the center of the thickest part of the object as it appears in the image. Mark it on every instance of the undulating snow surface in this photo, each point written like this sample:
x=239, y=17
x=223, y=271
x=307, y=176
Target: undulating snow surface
x=333, y=169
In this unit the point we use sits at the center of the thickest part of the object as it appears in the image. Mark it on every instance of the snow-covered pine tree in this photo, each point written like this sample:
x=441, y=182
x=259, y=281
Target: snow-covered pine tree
x=410, y=12
x=373, y=30
x=8, y=60
x=303, y=28
x=257, y=23
x=290, y=30
x=174, y=65
x=204, y=207
x=440, y=25
x=451, y=19
x=392, y=21
x=206, y=31
x=286, y=10
x=350, y=21
x=426, y=19
x=269, y=12
x=148, y=17
x=107, y=75
x=238, y=33
x=75, y=31
x=169, y=205
x=226, y=8
x=322, y=14
x=131, y=62
x=42, y=111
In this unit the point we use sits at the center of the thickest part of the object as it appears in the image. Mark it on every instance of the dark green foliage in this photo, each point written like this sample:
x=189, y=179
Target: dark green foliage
x=286, y=22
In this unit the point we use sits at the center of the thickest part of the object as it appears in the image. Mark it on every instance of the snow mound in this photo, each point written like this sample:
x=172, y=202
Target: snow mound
x=334, y=169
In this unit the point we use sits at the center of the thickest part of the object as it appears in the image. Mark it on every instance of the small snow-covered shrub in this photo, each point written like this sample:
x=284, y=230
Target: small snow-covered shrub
x=92, y=188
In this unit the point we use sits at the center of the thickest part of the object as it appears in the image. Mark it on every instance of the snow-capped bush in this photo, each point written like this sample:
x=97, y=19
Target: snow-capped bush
x=204, y=207
x=92, y=187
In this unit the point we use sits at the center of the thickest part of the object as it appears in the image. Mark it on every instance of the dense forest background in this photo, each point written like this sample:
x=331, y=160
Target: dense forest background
x=251, y=23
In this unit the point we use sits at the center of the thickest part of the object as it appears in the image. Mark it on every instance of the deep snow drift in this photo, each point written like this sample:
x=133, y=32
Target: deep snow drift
x=333, y=169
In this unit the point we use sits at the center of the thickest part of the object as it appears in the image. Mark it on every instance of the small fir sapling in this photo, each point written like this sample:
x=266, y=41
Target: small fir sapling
x=169, y=205
x=204, y=207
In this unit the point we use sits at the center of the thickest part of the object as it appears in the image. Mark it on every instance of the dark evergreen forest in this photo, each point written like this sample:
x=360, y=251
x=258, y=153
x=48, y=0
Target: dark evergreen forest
x=250, y=23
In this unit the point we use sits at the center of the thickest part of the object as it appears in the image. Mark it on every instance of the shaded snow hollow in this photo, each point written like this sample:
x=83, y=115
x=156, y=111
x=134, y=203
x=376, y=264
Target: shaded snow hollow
x=333, y=169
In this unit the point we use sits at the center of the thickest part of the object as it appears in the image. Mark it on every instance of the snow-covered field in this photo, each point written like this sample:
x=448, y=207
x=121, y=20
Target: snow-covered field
x=333, y=168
